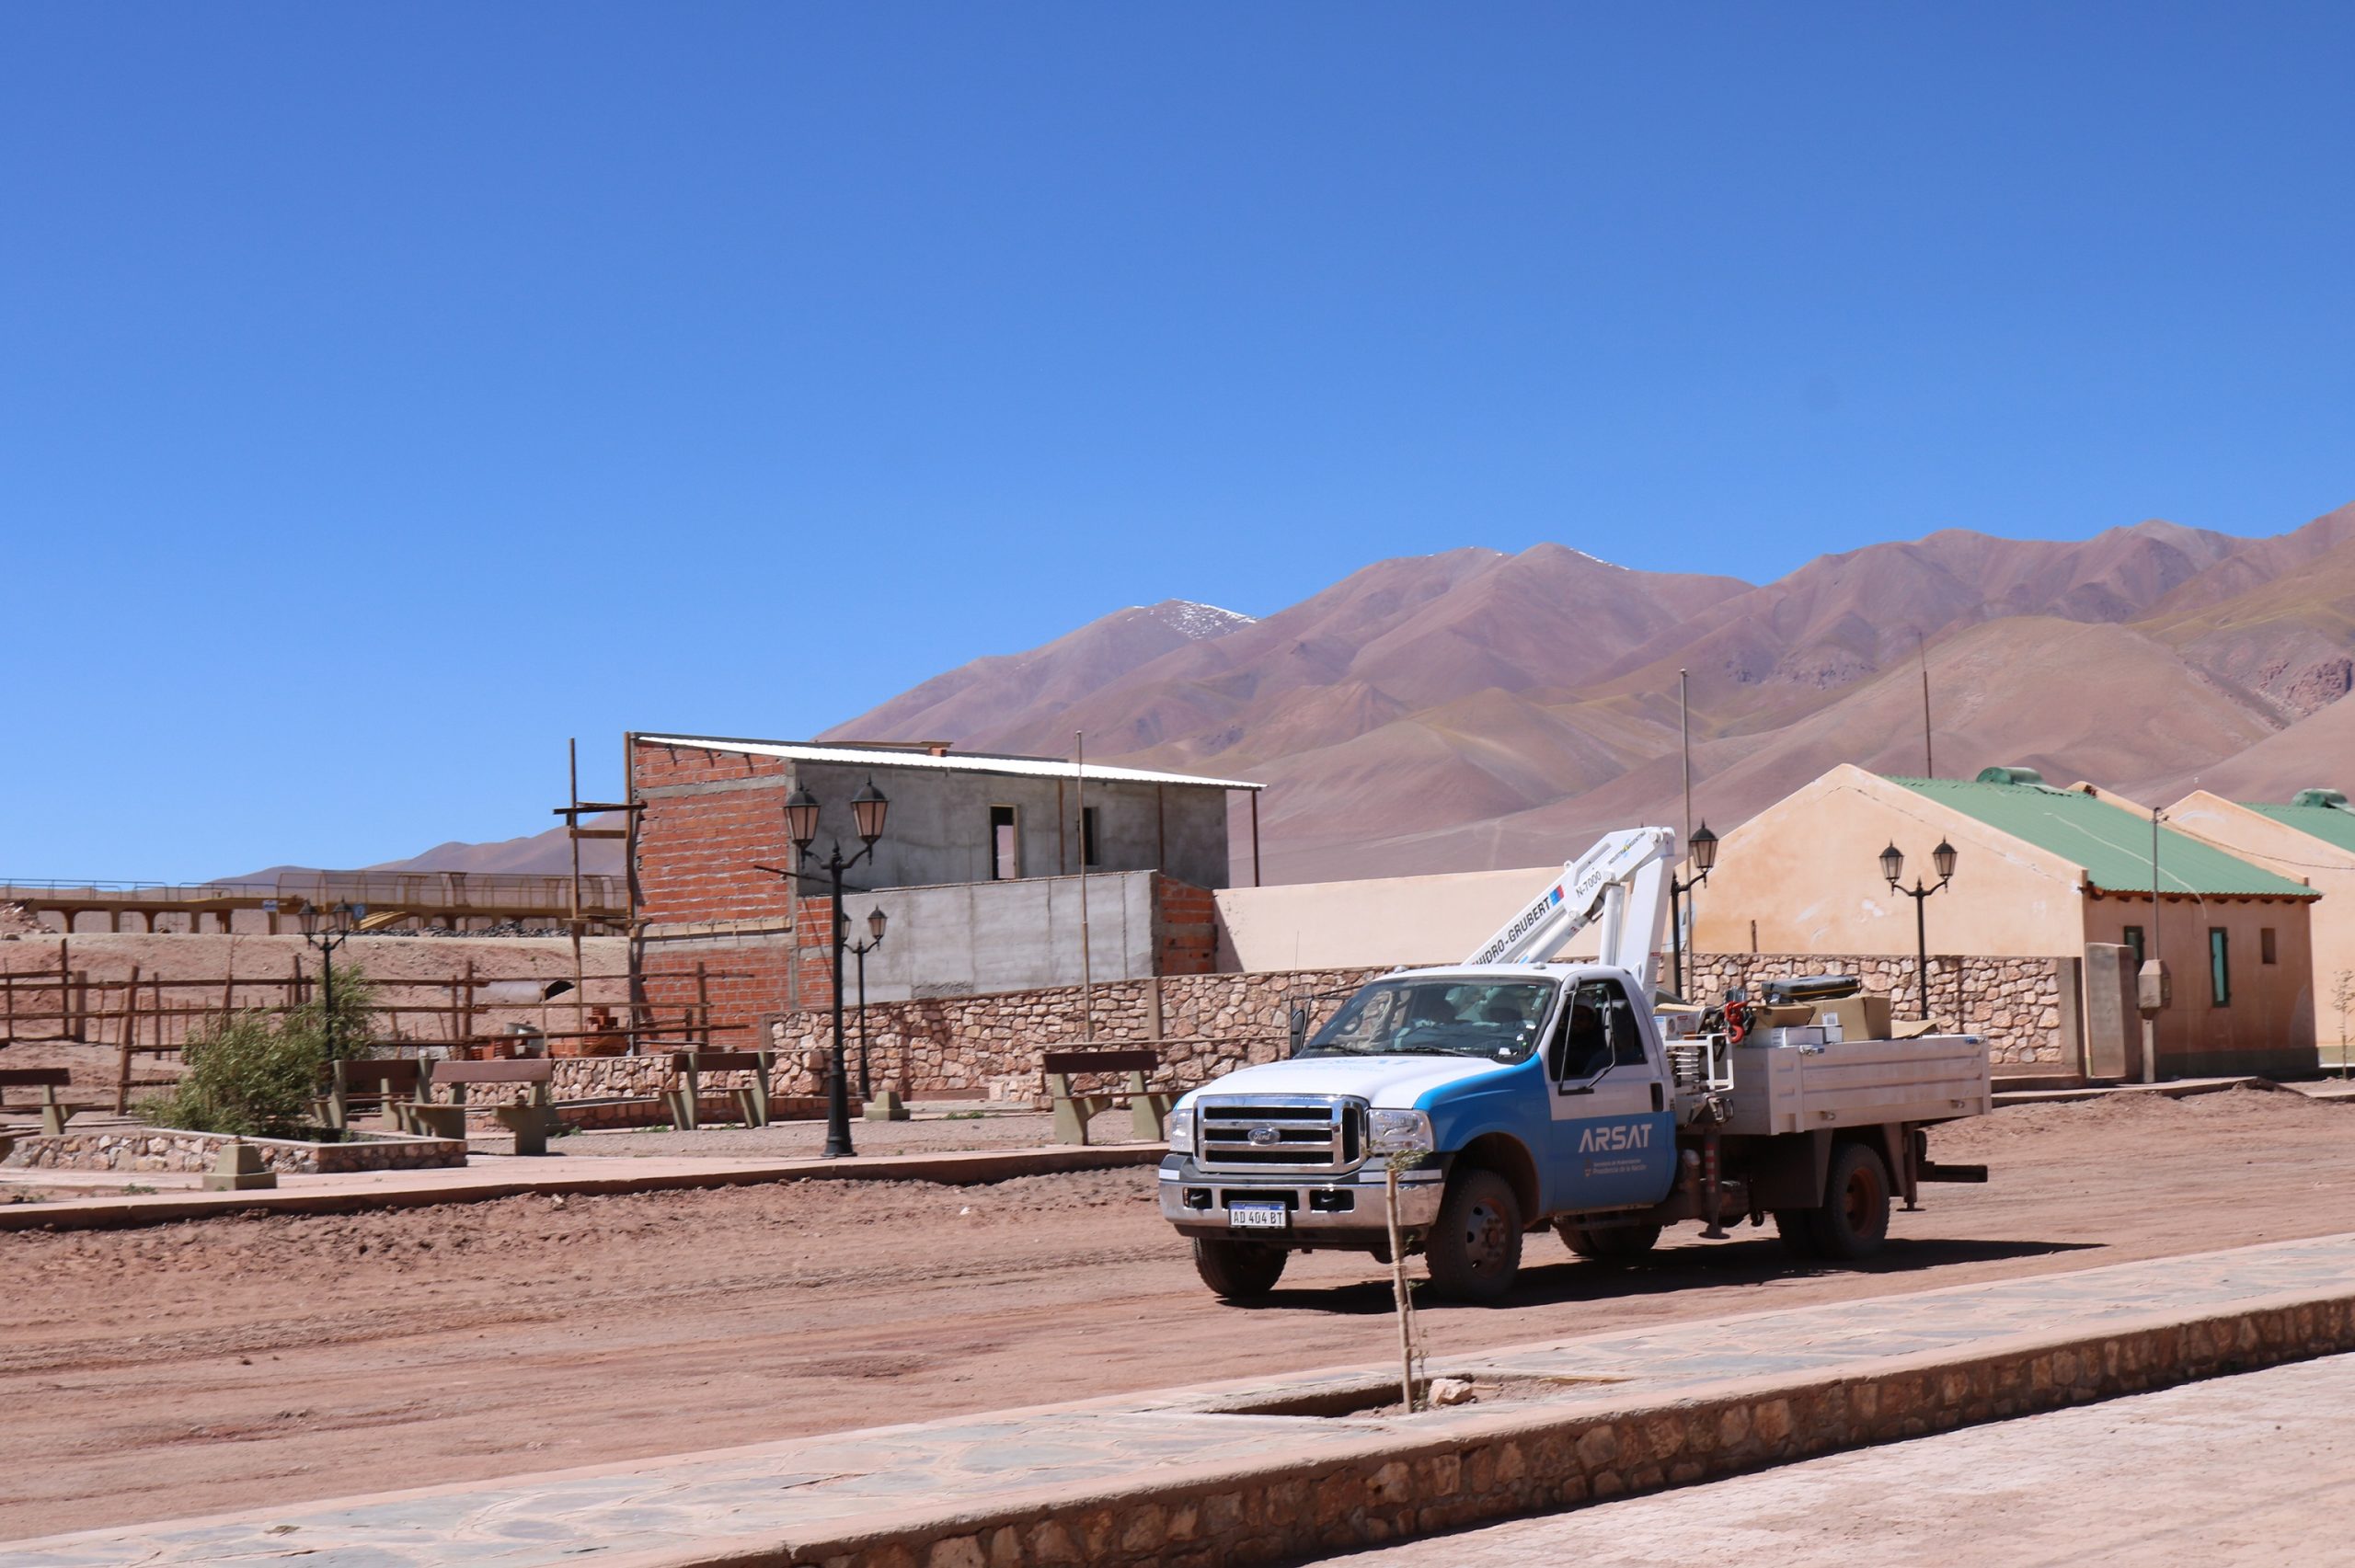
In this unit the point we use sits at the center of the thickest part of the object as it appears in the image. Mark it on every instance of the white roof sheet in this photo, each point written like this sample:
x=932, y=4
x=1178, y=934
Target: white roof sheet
x=954, y=762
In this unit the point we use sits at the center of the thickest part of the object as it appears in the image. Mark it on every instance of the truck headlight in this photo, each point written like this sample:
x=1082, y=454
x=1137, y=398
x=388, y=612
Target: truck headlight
x=1181, y=1129
x=1399, y=1132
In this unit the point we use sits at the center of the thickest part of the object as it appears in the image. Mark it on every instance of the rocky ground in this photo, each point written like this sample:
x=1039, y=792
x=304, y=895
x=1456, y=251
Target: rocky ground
x=211, y=1365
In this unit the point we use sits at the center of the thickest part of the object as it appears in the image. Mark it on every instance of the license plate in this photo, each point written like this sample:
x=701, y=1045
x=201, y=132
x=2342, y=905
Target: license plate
x=1257, y=1216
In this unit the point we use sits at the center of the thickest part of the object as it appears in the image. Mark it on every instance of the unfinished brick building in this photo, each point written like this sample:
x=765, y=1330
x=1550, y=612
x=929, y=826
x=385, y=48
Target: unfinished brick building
x=989, y=871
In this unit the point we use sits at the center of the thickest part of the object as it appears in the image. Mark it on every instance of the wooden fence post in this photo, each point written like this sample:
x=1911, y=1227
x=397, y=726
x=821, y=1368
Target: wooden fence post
x=129, y=1038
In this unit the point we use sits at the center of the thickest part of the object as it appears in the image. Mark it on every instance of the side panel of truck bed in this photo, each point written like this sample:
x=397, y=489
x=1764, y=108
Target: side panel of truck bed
x=1859, y=1084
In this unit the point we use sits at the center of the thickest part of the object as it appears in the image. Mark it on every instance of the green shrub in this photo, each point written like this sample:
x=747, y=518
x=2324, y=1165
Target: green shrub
x=254, y=1073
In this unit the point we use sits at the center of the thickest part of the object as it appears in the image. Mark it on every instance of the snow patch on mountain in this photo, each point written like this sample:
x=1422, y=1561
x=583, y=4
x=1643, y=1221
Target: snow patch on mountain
x=1195, y=621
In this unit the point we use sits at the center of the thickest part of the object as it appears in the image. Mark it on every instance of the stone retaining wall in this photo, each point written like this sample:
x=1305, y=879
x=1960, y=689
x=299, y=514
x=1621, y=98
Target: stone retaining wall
x=168, y=1149
x=1203, y=1025
x=2019, y=1003
x=1520, y=1462
x=1206, y=1024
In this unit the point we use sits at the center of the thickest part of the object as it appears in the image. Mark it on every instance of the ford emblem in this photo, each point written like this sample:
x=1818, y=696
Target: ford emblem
x=1264, y=1136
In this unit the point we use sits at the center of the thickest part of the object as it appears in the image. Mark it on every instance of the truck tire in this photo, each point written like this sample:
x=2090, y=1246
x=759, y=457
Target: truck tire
x=1853, y=1220
x=1475, y=1249
x=1238, y=1271
x=1608, y=1244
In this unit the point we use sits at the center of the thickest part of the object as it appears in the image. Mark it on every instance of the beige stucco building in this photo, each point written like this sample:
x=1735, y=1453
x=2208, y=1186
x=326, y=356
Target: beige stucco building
x=2309, y=838
x=2041, y=871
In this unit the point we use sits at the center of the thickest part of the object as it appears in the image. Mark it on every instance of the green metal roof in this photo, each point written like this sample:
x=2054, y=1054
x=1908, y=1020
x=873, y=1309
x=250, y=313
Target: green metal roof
x=2110, y=843
x=2333, y=825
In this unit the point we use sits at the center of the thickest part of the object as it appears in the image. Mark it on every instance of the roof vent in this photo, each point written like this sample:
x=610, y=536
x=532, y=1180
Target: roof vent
x=2010, y=776
x=2319, y=798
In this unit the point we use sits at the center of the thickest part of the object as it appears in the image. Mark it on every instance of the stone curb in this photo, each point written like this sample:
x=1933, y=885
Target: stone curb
x=1474, y=1467
x=972, y=1168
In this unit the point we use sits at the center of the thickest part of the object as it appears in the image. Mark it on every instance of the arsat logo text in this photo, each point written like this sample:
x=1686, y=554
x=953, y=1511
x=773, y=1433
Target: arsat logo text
x=1611, y=1139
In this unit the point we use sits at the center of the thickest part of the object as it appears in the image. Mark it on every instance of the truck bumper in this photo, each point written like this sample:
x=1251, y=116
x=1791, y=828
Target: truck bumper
x=1326, y=1211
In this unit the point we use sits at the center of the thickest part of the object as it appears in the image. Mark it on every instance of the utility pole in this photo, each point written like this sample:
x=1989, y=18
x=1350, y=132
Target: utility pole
x=1086, y=958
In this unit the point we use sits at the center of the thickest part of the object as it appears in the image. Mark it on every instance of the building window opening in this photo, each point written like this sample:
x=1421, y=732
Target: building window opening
x=1088, y=853
x=2265, y=950
x=2134, y=944
x=2220, y=967
x=1005, y=844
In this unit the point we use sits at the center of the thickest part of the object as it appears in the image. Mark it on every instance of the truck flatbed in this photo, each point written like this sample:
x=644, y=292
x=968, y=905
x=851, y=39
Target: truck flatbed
x=1788, y=1089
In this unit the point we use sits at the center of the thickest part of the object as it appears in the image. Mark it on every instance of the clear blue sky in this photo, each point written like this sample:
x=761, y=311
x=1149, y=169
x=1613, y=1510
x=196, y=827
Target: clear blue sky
x=360, y=366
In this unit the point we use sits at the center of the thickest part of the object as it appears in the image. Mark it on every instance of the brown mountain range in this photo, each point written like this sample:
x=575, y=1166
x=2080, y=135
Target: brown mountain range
x=1477, y=709
x=1474, y=709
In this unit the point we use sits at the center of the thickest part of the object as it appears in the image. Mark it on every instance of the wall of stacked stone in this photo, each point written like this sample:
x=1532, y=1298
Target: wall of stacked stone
x=1203, y=1025
x=1212, y=1023
x=2015, y=1002
x=163, y=1149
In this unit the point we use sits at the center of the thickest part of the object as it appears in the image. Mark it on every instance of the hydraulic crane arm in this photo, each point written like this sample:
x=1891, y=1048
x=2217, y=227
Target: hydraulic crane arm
x=1620, y=882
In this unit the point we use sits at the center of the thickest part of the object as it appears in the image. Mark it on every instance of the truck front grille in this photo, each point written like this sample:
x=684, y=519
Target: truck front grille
x=1280, y=1132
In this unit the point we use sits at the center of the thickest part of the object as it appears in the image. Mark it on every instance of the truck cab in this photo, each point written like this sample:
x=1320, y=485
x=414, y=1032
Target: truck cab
x=1512, y=1092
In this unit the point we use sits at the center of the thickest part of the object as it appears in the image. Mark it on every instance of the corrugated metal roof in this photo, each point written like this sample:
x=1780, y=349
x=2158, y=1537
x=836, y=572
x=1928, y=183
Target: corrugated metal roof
x=954, y=762
x=2333, y=825
x=2111, y=843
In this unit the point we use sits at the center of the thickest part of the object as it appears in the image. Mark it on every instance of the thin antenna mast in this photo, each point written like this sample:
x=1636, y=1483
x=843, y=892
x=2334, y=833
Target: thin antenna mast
x=1929, y=764
x=1684, y=724
x=1086, y=964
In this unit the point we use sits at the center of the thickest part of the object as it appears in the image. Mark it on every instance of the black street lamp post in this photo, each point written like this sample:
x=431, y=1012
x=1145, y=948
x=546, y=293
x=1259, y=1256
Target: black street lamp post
x=876, y=919
x=867, y=809
x=325, y=943
x=1892, y=867
x=1704, y=851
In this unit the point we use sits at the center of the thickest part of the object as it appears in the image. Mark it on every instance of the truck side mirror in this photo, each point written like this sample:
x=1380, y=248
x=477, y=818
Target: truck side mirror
x=1298, y=1026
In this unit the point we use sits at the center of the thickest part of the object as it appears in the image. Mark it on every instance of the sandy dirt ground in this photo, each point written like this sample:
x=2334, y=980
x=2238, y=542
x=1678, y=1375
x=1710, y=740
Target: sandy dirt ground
x=2245, y=1471
x=233, y=1363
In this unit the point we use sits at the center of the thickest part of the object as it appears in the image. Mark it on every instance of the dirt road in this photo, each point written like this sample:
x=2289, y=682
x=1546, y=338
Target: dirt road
x=233, y=1363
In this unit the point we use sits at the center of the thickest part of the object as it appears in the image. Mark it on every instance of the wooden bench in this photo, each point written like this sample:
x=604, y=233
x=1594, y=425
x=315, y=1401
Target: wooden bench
x=528, y=1121
x=381, y=1085
x=752, y=1100
x=49, y=1081
x=1148, y=1111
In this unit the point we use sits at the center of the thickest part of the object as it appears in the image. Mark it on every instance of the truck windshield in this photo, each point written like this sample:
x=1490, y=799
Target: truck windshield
x=1494, y=1020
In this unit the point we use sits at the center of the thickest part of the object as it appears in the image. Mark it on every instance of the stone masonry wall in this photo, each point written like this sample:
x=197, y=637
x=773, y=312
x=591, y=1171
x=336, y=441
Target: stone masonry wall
x=1203, y=1025
x=2015, y=1003
x=1206, y=1024
x=163, y=1149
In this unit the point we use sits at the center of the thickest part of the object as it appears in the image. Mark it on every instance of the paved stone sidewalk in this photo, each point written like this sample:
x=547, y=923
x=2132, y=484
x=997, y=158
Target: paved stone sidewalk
x=2249, y=1470
x=820, y=1487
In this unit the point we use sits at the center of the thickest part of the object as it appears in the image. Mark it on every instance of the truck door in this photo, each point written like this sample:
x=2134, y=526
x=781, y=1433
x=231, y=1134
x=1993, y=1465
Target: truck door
x=1612, y=1142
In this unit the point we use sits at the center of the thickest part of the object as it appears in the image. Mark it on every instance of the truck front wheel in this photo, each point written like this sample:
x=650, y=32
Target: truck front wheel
x=1475, y=1249
x=1853, y=1220
x=1238, y=1271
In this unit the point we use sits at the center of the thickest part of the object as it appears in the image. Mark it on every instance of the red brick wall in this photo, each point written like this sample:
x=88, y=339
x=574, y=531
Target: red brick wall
x=743, y=977
x=696, y=852
x=1185, y=928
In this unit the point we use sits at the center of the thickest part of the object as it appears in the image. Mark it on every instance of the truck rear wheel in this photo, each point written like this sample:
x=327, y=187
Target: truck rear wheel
x=1475, y=1249
x=1853, y=1220
x=1608, y=1244
x=1238, y=1271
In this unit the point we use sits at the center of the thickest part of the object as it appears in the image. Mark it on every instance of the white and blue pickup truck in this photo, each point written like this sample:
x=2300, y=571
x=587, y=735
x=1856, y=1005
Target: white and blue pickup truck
x=1518, y=1093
